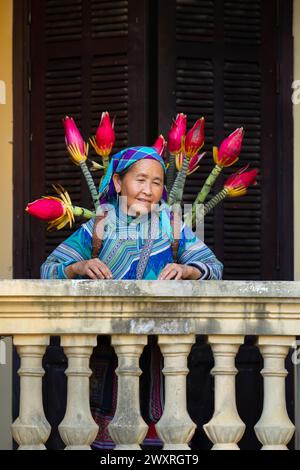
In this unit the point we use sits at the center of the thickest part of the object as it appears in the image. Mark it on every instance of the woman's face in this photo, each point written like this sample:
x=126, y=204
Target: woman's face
x=142, y=186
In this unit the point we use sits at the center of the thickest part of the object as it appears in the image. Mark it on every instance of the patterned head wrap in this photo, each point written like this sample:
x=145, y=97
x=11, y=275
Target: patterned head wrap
x=123, y=160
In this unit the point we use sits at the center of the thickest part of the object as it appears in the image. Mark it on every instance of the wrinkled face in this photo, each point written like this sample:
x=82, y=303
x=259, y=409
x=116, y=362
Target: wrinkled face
x=142, y=186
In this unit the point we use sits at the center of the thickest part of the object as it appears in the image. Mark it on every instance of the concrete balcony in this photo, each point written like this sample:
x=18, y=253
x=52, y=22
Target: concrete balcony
x=129, y=311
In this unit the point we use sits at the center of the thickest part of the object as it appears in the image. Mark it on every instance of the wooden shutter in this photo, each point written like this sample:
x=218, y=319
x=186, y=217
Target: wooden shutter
x=87, y=56
x=222, y=61
x=143, y=61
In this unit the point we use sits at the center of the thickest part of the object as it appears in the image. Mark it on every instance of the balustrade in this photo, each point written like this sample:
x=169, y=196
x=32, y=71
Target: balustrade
x=130, y=311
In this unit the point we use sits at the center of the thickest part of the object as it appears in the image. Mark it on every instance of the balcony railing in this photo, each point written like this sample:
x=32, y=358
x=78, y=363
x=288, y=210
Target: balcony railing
x=129, y=311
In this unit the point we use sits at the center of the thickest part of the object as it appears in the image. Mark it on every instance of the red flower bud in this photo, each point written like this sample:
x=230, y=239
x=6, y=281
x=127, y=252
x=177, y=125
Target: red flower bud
x=230, y=149
x=105, y=136
x=194, y=139
x=194, y=162
x=176, y=134
x=238, y=183
x=74, y=141
x=73, y=136
x=160, y=145
x=46, y=209
x=57, y=211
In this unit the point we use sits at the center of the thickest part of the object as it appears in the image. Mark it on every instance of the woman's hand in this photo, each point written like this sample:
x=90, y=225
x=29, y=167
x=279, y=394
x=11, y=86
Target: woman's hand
x=92, y=268
x=179, y=271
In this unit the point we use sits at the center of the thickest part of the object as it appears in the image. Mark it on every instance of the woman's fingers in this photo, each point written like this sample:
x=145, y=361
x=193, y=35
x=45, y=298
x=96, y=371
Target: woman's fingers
x=98, y=272
x=95, y=269
x=163, y=275
x=171, y=271
x=169, y=277
x=168, y=273
x=107, y=272
x=104, y=269
x=91, y=274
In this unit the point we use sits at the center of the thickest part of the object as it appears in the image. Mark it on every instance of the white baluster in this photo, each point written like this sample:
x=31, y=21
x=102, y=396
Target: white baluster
x=78, y=429
x=31, y=429
x=274, y=429
x=175, y=428
x=128, y=429
x=225, y=428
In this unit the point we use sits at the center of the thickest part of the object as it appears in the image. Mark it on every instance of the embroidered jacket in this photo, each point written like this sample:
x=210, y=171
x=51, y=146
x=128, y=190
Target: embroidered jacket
x=124, y=237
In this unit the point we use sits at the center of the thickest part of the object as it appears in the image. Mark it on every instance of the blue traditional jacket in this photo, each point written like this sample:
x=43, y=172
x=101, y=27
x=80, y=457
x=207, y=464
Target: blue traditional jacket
x=123, y=241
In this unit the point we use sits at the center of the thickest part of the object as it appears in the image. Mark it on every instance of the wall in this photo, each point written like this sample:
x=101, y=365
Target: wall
x=297, y=142
x=6, y=42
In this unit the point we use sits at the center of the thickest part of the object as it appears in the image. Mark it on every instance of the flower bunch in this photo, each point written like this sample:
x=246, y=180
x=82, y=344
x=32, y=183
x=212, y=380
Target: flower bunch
x=60, y=211
x=181, y=154
x=185, y=158
x=183, y=150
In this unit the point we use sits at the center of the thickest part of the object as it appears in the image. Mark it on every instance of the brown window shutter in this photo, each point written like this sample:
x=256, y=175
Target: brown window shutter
x=143, y=61
x=222, y=59
x=89, y=57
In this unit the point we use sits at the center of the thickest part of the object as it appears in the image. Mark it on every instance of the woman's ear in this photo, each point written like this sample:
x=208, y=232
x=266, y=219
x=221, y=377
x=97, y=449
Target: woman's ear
x=117, y=182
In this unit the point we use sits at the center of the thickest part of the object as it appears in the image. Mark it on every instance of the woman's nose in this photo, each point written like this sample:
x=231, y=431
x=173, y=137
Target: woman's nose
x=147, y=189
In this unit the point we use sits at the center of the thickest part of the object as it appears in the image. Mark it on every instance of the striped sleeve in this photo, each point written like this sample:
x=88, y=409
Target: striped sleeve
x=192, y=251
x=77, y=247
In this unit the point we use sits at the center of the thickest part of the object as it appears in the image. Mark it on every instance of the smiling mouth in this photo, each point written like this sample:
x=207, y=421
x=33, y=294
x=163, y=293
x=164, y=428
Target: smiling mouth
x=144, y=200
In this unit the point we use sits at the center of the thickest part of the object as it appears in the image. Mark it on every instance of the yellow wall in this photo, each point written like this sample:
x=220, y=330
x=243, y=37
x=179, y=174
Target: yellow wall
x=297, y=143
x=6, y=139
x=6, y=43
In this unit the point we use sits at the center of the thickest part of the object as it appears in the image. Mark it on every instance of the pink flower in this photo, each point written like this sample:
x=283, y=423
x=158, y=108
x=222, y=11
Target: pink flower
x=194, y=162
x=105, y=137
x=47, y=208
x=57, y=211
x=230, y=149
x=160, y=145
x=176, y=134
x=73, y=136
x=74, y=141
x=238, y=183
x=194, y=139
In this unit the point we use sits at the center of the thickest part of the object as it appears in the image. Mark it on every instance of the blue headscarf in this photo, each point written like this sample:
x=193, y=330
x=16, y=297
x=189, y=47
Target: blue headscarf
x=122, y=160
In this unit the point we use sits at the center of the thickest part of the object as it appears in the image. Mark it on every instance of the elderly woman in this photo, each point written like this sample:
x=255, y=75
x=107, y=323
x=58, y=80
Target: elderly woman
x=137, y=175
x=137, y=243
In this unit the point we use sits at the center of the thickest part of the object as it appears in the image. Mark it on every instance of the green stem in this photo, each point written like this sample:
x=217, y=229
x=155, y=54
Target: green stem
x=90, y=183
x=208, y=185
x=188, y=217
x=178, y=187
x=215, y=200
x=171, y=173
x=82, y=212
x=205, y=191
x=105, y=164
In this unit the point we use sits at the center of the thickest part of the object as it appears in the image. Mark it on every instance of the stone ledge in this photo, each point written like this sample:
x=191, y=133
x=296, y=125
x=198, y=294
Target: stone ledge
x=149, y=307
x=118, y=288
